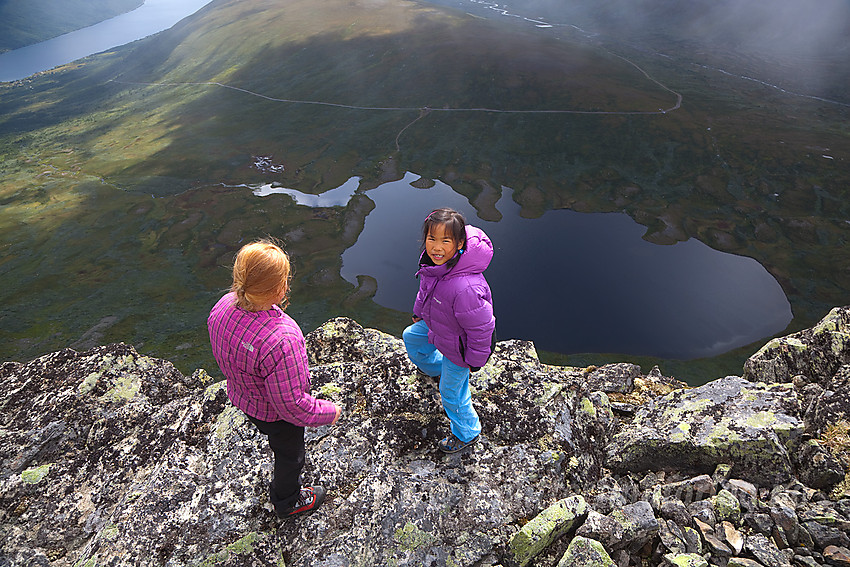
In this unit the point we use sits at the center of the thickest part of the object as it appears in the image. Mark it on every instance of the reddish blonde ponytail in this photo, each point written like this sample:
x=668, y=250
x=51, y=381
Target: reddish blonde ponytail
x=261, y=272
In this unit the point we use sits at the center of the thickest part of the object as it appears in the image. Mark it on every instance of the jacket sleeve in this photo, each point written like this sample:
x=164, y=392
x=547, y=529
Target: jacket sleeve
x=418, y=304
x=288, y=386
x=474, y=311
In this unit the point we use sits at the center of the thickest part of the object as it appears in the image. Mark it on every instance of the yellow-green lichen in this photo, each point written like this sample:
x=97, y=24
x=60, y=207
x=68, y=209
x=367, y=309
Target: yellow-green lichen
x=722, y=435
x=330, y=389
x=227, y=421
x=794, y=343
x=842, y=489
x=839, y=342
x=551, y=390
x=686, y=408
x=211, y=391
x=726, y=506
x=762, y=419
x=35, y=475
x=686, y=560
x=410, y=537
x=125, y=387
x=830, y=323
x=681, y=433
x=244, y=545
x=749, y=395
x=88, y=384
x=588, y=407
x=204, y=377
x=544, y=528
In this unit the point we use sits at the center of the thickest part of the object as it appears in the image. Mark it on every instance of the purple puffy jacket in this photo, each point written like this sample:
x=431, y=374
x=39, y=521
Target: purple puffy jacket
x=456, y=303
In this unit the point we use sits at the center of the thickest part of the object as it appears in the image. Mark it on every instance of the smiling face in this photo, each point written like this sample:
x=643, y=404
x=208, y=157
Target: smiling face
x=439, y=244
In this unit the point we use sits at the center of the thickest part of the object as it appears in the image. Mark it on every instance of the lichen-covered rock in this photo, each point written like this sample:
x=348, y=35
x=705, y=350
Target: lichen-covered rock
x=630, y=527
x=814, y=353
x=77, y=431
x=816, y=466
x=141, y=465
x=766, y=551
x=111, y=458
x=726, y=507
x=730, y=420
x=584, y=552
x=618, y=378
x=832, y=403
x=546, y=527
x=685, y=560
x=630, y=394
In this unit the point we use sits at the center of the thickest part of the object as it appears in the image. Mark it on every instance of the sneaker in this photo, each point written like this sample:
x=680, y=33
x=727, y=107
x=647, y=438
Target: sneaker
x=452, y=444
x=311, y=497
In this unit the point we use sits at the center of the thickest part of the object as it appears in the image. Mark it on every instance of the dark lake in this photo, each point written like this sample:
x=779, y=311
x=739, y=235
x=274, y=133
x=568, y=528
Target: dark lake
x=151, y=17
x=569, y=281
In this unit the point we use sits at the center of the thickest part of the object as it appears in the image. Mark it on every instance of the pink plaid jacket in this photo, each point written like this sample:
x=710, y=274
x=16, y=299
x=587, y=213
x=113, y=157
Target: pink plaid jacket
x=264, y=358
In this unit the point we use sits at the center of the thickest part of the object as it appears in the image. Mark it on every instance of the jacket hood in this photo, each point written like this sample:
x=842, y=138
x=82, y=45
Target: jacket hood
x=477, y=253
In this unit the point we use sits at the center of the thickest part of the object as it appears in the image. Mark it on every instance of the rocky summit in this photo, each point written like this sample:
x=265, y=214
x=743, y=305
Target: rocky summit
x=108, y=457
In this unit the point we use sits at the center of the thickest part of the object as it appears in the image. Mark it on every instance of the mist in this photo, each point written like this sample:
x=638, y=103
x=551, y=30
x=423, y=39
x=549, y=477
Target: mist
x=794, y=44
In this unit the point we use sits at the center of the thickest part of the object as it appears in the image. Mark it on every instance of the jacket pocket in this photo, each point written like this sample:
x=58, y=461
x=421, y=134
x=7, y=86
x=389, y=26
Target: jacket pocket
x=461, y=349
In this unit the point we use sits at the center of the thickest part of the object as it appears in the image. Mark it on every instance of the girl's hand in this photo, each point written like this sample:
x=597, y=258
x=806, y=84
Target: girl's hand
x=416, y=319
x=336, y=414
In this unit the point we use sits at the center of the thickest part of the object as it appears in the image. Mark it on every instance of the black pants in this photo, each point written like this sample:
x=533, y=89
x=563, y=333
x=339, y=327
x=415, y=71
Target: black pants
x=287, y=443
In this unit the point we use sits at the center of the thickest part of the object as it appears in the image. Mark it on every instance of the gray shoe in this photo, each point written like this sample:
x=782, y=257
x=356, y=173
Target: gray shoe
x=452, y=444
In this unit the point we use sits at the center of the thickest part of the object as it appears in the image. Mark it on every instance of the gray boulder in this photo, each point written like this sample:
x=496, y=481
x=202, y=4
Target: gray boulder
x=752, y=426
x=816, y=353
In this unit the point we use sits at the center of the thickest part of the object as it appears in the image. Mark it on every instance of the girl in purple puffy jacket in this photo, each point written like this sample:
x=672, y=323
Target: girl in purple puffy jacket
x=453, y=324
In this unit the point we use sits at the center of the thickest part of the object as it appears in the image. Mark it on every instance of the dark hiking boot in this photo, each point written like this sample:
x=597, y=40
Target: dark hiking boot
x=311, y=497
x=452, y=444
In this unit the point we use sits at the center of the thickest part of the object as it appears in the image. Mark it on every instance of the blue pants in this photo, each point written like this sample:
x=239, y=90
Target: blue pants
x=454, y=381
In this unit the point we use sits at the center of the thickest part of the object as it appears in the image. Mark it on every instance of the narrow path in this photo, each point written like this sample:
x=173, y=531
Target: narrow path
x=676, y=106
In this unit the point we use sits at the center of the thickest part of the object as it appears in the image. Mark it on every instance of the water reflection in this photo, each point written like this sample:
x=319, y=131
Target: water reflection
x=334, y=198
x=577, y=282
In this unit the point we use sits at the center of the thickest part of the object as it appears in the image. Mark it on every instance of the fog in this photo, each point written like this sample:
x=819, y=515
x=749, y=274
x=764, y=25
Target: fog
x=790, y=43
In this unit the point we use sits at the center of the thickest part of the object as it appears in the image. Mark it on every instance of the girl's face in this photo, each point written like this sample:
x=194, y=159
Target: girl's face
x=439, y=245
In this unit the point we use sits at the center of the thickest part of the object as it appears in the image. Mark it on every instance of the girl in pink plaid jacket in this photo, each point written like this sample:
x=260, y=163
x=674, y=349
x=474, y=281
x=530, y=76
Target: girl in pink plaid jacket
x=261, y=351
